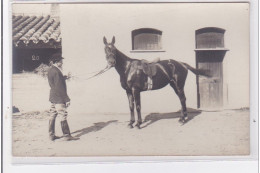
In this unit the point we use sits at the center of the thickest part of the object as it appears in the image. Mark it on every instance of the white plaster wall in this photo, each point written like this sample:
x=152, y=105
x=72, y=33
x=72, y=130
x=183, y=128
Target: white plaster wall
x=84, y=25
x=31, y=9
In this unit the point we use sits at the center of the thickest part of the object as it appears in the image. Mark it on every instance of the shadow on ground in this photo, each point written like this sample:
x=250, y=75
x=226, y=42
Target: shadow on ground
x=96, y=127
x=154, y=117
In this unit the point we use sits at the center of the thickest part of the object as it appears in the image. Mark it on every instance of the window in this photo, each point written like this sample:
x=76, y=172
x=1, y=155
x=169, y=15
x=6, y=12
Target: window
x=210, y=38
x=146, y=39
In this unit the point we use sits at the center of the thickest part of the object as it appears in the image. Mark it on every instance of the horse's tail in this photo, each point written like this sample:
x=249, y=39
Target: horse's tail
x=202, y=72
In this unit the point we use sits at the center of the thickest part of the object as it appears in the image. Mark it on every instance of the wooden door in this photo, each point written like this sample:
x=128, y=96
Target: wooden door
x=210, y=52
x=211, y=89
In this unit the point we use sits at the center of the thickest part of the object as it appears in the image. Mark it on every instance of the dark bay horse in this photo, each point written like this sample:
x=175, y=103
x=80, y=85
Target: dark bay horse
x=139, y=75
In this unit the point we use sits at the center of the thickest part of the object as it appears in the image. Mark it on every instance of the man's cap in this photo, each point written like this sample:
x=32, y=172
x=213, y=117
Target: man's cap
x=56, y=57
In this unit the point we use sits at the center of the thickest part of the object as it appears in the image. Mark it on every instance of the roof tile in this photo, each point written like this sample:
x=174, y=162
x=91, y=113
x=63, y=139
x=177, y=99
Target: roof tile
x=35, y=30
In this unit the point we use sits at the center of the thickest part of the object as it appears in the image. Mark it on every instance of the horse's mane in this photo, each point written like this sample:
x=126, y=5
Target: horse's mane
x=123, y=56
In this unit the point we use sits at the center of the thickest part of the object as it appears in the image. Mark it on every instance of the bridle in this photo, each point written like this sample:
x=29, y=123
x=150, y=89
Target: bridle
x=110, y=52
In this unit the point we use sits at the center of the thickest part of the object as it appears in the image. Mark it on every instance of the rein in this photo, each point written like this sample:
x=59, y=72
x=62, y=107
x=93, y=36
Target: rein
x=97, y=74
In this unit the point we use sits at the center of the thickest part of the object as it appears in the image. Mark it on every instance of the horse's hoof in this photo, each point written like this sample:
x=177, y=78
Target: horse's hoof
x=130, y=126
x=138, y=126
x=182, y=120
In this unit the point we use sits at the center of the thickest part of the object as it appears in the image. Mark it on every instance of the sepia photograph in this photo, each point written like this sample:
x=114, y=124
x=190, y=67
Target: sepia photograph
x=130, y=79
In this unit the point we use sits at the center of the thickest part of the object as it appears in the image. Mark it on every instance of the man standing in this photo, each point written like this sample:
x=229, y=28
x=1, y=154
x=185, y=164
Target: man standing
x=59, y=98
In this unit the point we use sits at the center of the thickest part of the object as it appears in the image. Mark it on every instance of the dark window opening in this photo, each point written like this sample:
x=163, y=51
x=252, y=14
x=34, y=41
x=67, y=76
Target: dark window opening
x=210, y=38
x=146, y=39
x=29, y=59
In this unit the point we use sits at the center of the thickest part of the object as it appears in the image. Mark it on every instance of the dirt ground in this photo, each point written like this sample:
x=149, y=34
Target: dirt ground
x=106, y=134
x=206, y=133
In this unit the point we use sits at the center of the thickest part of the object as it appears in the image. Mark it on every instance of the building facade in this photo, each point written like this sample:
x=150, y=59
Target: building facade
x=197, y=34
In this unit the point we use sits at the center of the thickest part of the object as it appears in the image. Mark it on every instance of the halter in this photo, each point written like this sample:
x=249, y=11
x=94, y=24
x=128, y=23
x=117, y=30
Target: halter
x=109, y=52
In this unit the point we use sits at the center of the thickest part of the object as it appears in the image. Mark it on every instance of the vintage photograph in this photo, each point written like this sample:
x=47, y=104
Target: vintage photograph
x=130, y=79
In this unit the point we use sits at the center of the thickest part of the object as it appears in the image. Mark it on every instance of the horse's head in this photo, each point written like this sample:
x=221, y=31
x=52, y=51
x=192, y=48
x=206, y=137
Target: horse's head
x=110, y=51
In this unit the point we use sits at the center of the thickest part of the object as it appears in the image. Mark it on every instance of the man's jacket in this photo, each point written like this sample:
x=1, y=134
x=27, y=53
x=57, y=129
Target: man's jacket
x=58, y=92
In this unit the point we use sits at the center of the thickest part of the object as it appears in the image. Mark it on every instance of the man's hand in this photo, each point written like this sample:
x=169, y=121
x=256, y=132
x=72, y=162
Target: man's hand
x=67, y=77
x=67, y=104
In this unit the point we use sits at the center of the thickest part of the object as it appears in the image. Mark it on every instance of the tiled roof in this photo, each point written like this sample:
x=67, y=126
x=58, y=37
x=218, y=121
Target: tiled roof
x=36, y=31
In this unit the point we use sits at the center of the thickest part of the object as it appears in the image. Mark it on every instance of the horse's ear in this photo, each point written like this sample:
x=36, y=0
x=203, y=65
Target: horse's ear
x=105, y=40
x=113, y=40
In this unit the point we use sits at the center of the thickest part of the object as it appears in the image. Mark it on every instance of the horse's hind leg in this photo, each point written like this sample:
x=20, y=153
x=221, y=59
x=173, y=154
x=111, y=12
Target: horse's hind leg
x=183, y=104
x=131, y=106
x=179, y=90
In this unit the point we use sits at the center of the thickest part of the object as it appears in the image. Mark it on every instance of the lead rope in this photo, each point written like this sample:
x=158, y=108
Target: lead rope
x=97, y=74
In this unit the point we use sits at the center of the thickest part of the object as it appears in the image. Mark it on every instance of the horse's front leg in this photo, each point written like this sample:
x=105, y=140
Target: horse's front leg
x=137, y=98
x=131, y=106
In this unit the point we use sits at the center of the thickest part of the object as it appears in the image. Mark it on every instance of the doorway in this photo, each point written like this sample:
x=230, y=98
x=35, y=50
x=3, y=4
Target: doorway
x=210, y=53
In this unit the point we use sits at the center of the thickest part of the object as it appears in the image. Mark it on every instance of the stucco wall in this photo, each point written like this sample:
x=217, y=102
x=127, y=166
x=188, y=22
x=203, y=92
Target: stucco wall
x=84, y=25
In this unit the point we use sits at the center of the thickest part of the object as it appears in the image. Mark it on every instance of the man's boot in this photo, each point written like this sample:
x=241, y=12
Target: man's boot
x=52, y=129
x=66, y=131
